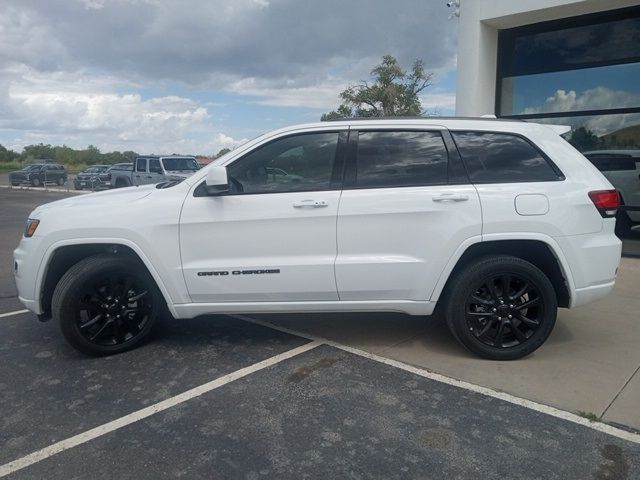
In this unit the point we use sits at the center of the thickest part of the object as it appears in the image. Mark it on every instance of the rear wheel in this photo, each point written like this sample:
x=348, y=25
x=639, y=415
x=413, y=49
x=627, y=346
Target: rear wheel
x=60, y=181
x=36, y=182
x=501, y=307
x=105, y=305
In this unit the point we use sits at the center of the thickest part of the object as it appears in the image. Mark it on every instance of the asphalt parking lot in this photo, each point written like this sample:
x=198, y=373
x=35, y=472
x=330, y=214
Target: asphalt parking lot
x=226, y=397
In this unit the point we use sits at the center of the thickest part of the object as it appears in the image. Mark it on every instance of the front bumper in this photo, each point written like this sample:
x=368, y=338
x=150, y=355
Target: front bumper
x=25, y=271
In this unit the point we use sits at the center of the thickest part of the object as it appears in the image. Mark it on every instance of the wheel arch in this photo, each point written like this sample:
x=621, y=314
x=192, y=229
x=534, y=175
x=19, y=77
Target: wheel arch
x=541, y=252
x=123, y=182
x=62, y=256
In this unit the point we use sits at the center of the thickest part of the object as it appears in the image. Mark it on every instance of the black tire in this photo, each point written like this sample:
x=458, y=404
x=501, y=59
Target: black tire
x=36, y=182
x=105, y=305
x=77, y=187
x=60, y=181
x=495, y=324
x=15, y=184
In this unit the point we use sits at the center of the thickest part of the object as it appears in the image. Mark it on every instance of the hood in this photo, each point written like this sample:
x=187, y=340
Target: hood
x=108, y=198
x=180, y=174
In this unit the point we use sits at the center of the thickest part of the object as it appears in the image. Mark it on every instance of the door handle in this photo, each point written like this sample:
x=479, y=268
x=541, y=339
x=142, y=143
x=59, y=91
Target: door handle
x=310, y=204
x=451, y=197
x=149, y=176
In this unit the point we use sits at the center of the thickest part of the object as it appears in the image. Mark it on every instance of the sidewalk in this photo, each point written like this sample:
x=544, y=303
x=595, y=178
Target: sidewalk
x=590, y=363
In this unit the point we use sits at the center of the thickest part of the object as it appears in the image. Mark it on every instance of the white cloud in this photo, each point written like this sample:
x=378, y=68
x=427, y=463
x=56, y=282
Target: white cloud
x=438, y=101
x=592, y=99
x=80, y=71
x=225, y=141
x=321, y=95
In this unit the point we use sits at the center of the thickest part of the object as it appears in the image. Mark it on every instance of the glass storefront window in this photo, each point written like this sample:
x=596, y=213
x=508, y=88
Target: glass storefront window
x=604, y=38
x=613, y=86
x=612, y=144
x=583, y=72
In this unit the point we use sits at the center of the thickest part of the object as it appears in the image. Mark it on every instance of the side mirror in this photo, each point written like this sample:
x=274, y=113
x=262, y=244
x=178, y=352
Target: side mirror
x=217, y=181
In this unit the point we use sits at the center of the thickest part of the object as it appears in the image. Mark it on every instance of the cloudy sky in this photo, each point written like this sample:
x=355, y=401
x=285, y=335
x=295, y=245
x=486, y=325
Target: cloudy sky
x=195, y=76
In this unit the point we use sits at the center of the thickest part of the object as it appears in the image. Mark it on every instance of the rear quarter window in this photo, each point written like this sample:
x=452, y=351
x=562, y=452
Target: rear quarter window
x=492, y=157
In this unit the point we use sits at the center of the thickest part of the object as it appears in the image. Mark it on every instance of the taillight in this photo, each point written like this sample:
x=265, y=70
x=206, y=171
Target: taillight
x=606, y=201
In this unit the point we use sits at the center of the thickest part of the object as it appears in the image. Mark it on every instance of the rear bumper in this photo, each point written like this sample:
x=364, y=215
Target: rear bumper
x=591, y=294
x=593, y=260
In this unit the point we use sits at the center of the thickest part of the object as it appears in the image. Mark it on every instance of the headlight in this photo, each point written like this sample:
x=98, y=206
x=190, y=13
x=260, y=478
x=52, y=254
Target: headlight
x=30, y=229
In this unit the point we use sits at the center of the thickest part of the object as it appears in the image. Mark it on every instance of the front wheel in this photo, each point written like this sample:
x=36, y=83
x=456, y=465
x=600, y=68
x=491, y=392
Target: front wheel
x=60, y=181
x=105, y=305
x=36, y=182
x=501, y=307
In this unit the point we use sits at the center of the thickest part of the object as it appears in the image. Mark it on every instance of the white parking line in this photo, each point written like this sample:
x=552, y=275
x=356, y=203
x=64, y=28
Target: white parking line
x=96, y=432
x=9, y=314
x=523, y=402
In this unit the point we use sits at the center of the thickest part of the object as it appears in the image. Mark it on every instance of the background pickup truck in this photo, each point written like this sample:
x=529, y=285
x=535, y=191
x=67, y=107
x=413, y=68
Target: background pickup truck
x=155, y=169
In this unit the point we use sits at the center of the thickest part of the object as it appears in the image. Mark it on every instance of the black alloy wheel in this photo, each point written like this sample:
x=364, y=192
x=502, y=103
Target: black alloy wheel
x=504, y=311
x=112, y=311
x=106, y=304
x=500, y=307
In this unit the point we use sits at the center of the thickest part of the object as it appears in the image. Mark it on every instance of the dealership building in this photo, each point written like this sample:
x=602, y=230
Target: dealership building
x=570, y=62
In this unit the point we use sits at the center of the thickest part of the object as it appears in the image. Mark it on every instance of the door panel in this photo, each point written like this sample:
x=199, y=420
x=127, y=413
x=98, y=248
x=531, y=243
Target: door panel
x=256, y=233
x=401, y=220
x=273, y=238
x=395, y=242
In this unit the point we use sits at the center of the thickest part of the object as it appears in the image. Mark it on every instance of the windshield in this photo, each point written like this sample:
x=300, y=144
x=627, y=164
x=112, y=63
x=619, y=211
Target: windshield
x=95, y=169
x=173, y=164
x=31, y=167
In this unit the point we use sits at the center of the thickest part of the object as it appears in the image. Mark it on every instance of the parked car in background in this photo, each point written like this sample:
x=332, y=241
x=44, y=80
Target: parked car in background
x=89, y=178
x=622, y=169
x=38, y=174
x=107, y=178
x=154, y=169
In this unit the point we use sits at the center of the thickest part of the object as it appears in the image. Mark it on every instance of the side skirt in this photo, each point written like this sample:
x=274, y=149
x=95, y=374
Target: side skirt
x=192, y=310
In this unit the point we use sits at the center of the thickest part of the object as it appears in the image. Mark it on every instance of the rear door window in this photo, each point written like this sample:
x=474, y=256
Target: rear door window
x=400, y=159
x=492, y=157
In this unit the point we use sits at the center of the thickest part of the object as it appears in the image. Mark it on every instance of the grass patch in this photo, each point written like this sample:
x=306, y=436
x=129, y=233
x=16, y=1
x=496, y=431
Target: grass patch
x=592, y=417
x=10, y=166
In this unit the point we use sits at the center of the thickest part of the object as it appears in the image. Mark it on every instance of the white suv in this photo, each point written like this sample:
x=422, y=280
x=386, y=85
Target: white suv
x=493, y=223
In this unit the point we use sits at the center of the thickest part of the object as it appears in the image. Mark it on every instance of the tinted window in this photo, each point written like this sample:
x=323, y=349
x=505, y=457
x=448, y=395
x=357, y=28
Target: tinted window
x=141, y=164
x=392, y=158
x=502, y=158
x=563, y=47
x=154, y=165
x=173, y=164
x=296, y=163
x=606, y=163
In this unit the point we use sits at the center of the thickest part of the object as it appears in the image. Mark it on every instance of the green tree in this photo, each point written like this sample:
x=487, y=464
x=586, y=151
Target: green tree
x=38, y=152
x=91, y=155
x=584, y=139
x=393, y=92
x=224, y=151
x=7, y=155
